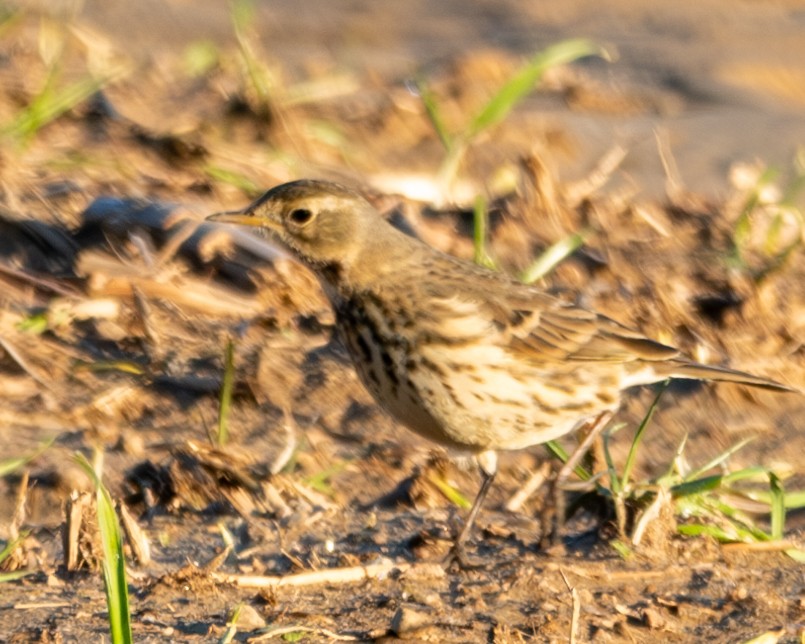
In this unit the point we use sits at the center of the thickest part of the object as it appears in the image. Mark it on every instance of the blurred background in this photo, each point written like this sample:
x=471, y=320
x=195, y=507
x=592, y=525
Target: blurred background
x=723, y=81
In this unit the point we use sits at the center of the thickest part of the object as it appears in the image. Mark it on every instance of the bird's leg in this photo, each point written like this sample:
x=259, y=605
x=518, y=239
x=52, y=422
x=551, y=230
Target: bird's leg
x=488, y=464
x=593, y=430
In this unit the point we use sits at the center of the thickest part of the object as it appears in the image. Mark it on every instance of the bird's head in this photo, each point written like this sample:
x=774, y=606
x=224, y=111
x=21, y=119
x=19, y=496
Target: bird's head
x=321, y=223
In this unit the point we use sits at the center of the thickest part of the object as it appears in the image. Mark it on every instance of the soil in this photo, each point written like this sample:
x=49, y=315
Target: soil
x=117, y=304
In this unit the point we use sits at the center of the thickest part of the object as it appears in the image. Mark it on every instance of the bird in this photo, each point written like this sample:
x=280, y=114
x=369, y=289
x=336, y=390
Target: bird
x=462, y=355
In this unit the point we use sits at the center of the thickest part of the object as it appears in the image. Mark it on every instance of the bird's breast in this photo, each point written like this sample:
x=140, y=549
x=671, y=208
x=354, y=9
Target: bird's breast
x=447, y=373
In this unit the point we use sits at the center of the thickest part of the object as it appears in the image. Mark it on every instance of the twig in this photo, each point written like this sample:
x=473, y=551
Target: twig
x=113, y=279
x=311, y=496
x=644, y=212
x=616, y=577
x=593, y=431
x=137, y=539
x=287, y=451
x=331, y=576
x=574, y=596
x=41, y=282
x=179, y=235
x=763, y=546
x=143, y=309
x=284, y=630
x=528, y=488
x=576, y=192
x=673, y=183
x=651, y=513
x=18, y=520
x=16, y=356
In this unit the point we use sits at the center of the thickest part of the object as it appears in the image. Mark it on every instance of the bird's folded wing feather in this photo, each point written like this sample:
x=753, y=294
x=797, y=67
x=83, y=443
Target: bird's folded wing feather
x=575, y=334
x=541, y=327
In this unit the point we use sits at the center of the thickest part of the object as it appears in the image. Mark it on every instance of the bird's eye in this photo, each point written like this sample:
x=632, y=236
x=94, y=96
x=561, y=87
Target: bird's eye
x=300, y=216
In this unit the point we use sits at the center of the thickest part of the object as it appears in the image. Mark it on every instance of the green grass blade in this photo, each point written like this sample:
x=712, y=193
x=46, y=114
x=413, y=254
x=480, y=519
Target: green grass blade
x=50, y=104
x=559, y=452
x=718, y=460
x=36, y=323
x=523, y=82
x=200, y=57
x=258, y=75
x=434, y=113
x=780, y=259
x=697, y=530
x=13, y=576
x=6, y=553
x=745, y=528
x=753, y=472
x=553, y=256
x=448, y=170
x=623, y=550
x=731, y=529
x=226, y=394
x=773, y=234
x=777, y=506
x=123, y=366
x=9, y=547
x=638, y=437
x=450, y=493
x=114, y=562
x=237, y=179
x=791, y=500
x=479, y=224
x=677, y=462
x=320, y=481
x=12, y=464
x=742, y=229
x=232, y=626
x=697, y=486
x=796, y=186
x=796, y=554
x=615, y=481
x=501, y=104
x=242, y=14
x=9, y=18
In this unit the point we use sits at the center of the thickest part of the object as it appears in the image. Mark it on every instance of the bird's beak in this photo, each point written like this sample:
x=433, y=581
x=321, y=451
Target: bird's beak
x=245, y=217
x=257, y=214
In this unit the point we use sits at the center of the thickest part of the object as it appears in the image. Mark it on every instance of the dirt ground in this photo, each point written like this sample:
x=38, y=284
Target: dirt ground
x=117, y=303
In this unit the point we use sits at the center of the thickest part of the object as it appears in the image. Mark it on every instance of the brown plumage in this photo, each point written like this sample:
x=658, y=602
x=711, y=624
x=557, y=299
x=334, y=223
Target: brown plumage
x=464, y=356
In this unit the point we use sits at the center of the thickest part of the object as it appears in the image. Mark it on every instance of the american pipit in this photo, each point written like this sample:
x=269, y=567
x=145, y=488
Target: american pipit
x=464, y=356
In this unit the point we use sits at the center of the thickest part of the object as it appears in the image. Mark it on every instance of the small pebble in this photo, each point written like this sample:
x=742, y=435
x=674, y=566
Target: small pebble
x=249, y=619
x=408, y=619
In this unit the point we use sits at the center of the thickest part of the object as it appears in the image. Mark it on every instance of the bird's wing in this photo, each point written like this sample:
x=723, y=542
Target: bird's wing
x=564, y=332
x=537, y=326
x=543, y=328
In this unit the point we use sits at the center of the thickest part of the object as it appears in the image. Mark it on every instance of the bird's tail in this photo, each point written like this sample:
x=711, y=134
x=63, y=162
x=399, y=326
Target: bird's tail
x=696, y=371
